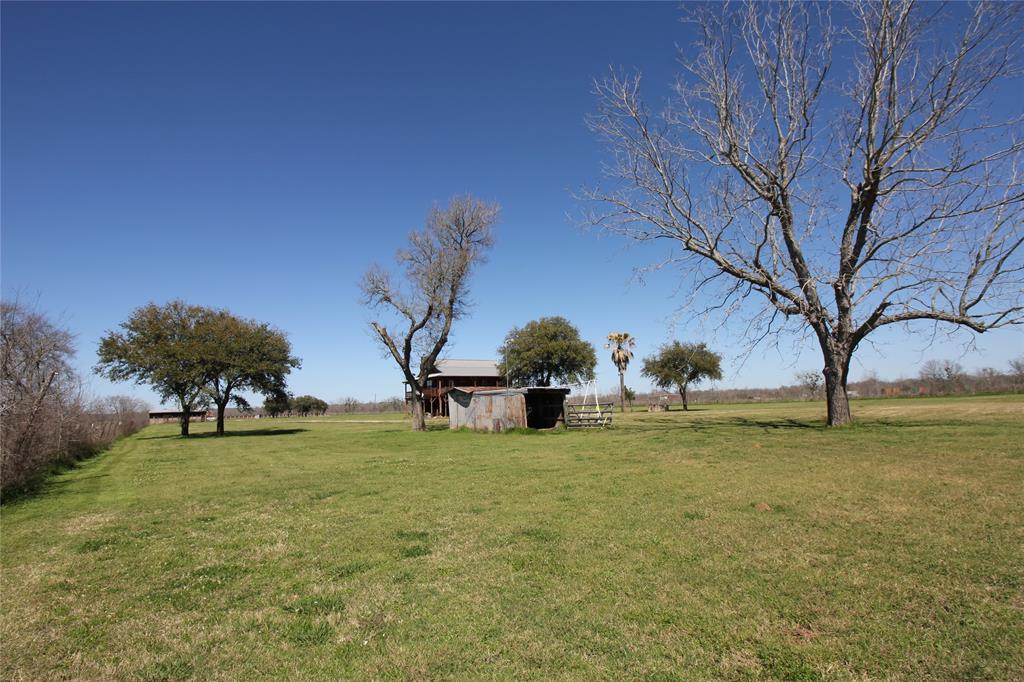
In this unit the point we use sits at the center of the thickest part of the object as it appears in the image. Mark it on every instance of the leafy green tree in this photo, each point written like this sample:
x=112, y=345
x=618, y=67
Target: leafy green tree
x=244, y=355
x=277, y=403
x=544, y=351
x=681, y=365
x=621, y=344
x=163, y=346
x=306, y=405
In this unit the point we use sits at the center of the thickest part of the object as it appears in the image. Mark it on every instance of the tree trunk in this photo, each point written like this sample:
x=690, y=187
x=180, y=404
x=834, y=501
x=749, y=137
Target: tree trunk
x=220, y=417
x=186, y=414
x=837, y=366
x=419, y=420
x=682, y=394
x=622, y=392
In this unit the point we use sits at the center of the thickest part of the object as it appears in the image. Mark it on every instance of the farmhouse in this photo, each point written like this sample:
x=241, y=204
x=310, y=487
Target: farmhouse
x=451, y=373
x=175, y=417
x=498, y=409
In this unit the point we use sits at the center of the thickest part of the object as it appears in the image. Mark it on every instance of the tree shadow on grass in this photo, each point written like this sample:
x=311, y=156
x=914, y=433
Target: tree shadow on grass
x=229, y=434
x=725, y=422
x=57, y=486
x=776, y=423
x=910, y=423
x=46, y=485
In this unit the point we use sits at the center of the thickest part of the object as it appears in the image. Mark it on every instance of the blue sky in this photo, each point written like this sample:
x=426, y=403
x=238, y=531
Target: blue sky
x=260, y=157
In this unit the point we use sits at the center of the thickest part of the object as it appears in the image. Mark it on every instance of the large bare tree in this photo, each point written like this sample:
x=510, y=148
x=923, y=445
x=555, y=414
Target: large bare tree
x=831, y=176
x=437, y=266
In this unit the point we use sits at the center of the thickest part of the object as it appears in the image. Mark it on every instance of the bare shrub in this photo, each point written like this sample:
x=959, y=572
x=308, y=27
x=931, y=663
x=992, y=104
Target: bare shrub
x=44, y=418
x=811, y=382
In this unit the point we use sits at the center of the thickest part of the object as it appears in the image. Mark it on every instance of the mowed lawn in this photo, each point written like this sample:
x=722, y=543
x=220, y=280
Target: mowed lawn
x=731, y=542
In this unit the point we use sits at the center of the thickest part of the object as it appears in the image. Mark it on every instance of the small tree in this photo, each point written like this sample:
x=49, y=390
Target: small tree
x=942, y=375
x=115, y=416
x=244, y=355
x=681, y=365
x=121, y=407
x=1017, y=369
x=437, y=264
x=989, y=376
x=811, y=382
x=621, y=344
x=630, y=395
x=544, y=351
x=277, y=403
x=306, y=405
x=165, y=347
x=869, y=384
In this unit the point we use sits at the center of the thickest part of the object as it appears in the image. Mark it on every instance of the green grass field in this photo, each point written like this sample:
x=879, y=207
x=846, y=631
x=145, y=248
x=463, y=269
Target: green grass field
x=732, y=542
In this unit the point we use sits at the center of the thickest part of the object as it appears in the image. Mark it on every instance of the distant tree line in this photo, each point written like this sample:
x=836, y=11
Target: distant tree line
x=349, y=405
x=342, y=405
x=46, y=420
x=283, y=405
x=935, y=378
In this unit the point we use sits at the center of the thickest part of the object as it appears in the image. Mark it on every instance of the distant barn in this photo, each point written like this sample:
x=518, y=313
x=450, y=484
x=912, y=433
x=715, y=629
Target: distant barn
x=175, y=417
x=451, y=373
x=499, y=409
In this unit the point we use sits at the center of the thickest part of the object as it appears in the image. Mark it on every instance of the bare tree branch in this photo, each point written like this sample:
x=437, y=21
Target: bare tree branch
x=437, y=266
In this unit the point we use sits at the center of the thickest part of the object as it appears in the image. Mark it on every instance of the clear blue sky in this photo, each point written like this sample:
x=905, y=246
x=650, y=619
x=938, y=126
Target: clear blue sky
x=259, y=157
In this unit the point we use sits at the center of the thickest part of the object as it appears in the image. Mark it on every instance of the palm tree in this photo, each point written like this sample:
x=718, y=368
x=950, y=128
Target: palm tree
x=620, y=344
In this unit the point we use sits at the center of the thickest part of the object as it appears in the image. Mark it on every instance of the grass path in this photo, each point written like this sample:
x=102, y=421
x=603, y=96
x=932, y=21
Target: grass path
x=732, y=542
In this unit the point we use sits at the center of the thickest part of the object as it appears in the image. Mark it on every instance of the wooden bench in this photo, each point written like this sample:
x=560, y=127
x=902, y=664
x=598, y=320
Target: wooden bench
x=588, y=416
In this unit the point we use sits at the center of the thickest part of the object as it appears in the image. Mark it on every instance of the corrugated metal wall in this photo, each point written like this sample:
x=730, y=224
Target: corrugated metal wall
x=486, y=411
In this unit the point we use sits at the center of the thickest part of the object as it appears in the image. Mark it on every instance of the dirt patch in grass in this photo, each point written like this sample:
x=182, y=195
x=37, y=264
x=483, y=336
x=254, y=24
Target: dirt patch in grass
x=801, y=634
x=742, y=662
